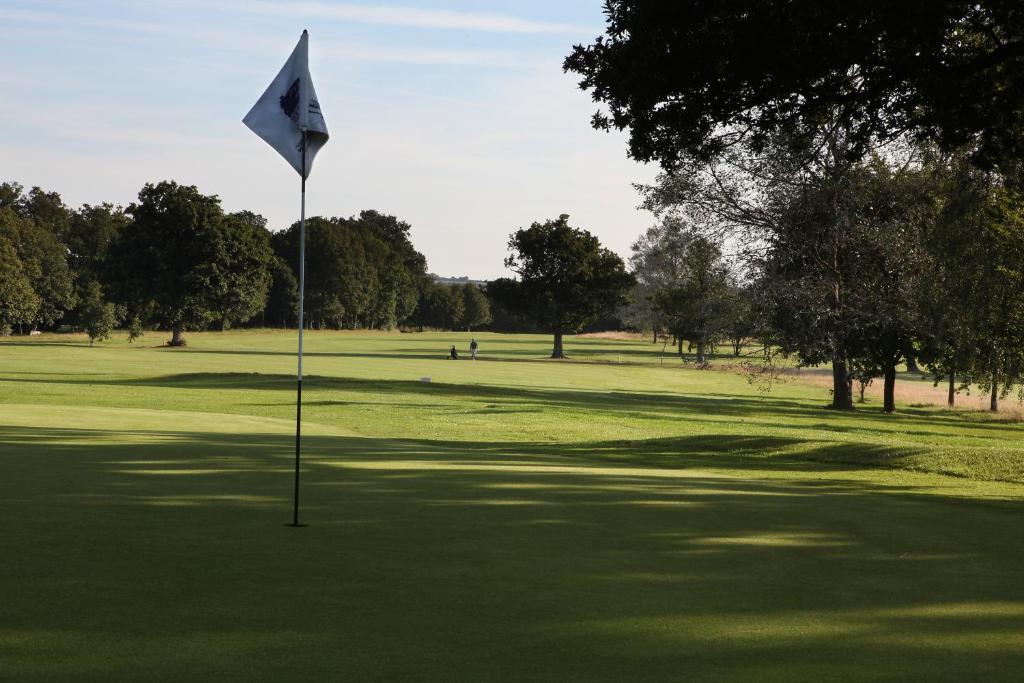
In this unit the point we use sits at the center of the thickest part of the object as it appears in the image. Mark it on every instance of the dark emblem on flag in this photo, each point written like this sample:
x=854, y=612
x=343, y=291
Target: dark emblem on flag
x=290, y=102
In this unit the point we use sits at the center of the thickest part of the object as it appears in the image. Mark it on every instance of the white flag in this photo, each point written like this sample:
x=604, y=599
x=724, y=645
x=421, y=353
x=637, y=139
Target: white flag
x=288, y=107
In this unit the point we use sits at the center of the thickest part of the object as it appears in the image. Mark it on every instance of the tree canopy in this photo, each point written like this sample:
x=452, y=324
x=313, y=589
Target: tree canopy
x=184, y=263
x=690, y=78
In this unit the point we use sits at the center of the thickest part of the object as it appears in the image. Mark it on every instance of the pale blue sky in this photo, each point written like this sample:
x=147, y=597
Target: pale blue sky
x=452, y=115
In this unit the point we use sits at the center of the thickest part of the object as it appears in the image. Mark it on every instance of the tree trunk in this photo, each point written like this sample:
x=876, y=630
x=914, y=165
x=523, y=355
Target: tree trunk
x=655, y=336
x=952, y=388
x=700, y=351
x=737, y=346
x=680, y=347
x=912, y=364
x=993, y=403
x=889, y=390
x=842, y=396
x=558, y=351
x=177, y=337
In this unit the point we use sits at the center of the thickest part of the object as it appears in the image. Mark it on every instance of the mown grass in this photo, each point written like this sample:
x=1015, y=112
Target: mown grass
x=517, y=518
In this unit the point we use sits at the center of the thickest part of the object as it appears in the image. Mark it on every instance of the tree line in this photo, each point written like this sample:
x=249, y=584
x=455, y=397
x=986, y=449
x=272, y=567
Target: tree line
x=174, y=260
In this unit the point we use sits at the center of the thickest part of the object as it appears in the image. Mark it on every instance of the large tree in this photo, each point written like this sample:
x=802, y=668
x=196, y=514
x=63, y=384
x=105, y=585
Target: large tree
x=177, y=258
x=692, y=77
x=566, y=278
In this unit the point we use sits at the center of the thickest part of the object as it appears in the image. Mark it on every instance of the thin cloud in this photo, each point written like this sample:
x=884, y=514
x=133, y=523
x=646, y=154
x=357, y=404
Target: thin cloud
x=402, y=16
x=262, y=44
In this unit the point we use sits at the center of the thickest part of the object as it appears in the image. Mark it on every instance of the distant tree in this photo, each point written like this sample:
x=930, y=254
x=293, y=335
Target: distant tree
x=949, y=336
x=400, y=267
x=135, y=326
x=441, y=306
x=697, y=302
x=282, y=308
x=31, y=224
x=172, y=261
x=566, y=278
x=18, y=302
x=244, y=254
x=90, y=232
x=503, y=295
x=999, y=304
x=46, y=209
x=740, y=316
x=360, y=272
x=656, y=262
x=98, y=316
x=693, y=78
x=338, y=285
x=476, y=309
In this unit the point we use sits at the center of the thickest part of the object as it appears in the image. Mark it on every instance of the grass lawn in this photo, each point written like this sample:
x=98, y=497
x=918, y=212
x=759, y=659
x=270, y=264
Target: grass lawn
x=606, y=518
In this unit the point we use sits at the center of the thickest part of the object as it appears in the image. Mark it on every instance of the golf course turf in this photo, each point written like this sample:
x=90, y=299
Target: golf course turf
x=617, y=516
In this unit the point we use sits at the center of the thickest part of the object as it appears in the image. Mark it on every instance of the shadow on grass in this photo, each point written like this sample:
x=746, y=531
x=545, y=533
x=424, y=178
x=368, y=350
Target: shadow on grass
x=597, y=561
x=722, y=407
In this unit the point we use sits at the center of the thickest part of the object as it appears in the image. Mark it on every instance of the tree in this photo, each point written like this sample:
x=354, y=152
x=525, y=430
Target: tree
x=948, y=339
x=847, y=290
x=655, y=262
x=98, y=316
x=244, y=257
x=476, y=309
x=172, y=261
x=893, y=211
x=282, y=308
x=360, y=272
x=741, y=321
x=18, y=302
x=43, y=257
x=697, y=302
x=693, y=78
x=999, y=356
x=441, y=306
x=90, y=232
x=787, y=204
x=566, y=278
x=503, y=295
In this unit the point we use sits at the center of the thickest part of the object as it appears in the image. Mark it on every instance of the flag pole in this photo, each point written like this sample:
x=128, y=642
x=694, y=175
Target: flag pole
x=302, y=298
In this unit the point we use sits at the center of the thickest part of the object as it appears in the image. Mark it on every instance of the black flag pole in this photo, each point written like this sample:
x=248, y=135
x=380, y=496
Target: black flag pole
x=302, y=298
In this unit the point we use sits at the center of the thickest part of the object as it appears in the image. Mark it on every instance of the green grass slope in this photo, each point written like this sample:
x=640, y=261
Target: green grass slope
x=607, y=518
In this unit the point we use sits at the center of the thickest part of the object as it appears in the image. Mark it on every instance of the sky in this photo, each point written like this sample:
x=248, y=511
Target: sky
x=452, y=115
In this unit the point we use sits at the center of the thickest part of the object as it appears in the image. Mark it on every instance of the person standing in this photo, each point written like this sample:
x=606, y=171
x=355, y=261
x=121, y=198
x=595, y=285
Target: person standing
x=473, y=346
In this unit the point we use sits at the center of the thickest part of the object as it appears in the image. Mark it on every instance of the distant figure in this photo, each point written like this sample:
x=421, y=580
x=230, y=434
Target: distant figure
x=453, y=354
x=473, y=346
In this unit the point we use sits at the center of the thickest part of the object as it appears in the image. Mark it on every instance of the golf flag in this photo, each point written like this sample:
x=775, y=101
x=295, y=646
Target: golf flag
x=289, y=107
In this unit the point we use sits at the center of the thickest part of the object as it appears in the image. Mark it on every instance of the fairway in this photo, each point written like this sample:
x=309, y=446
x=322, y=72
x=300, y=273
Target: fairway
x=616, y=516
